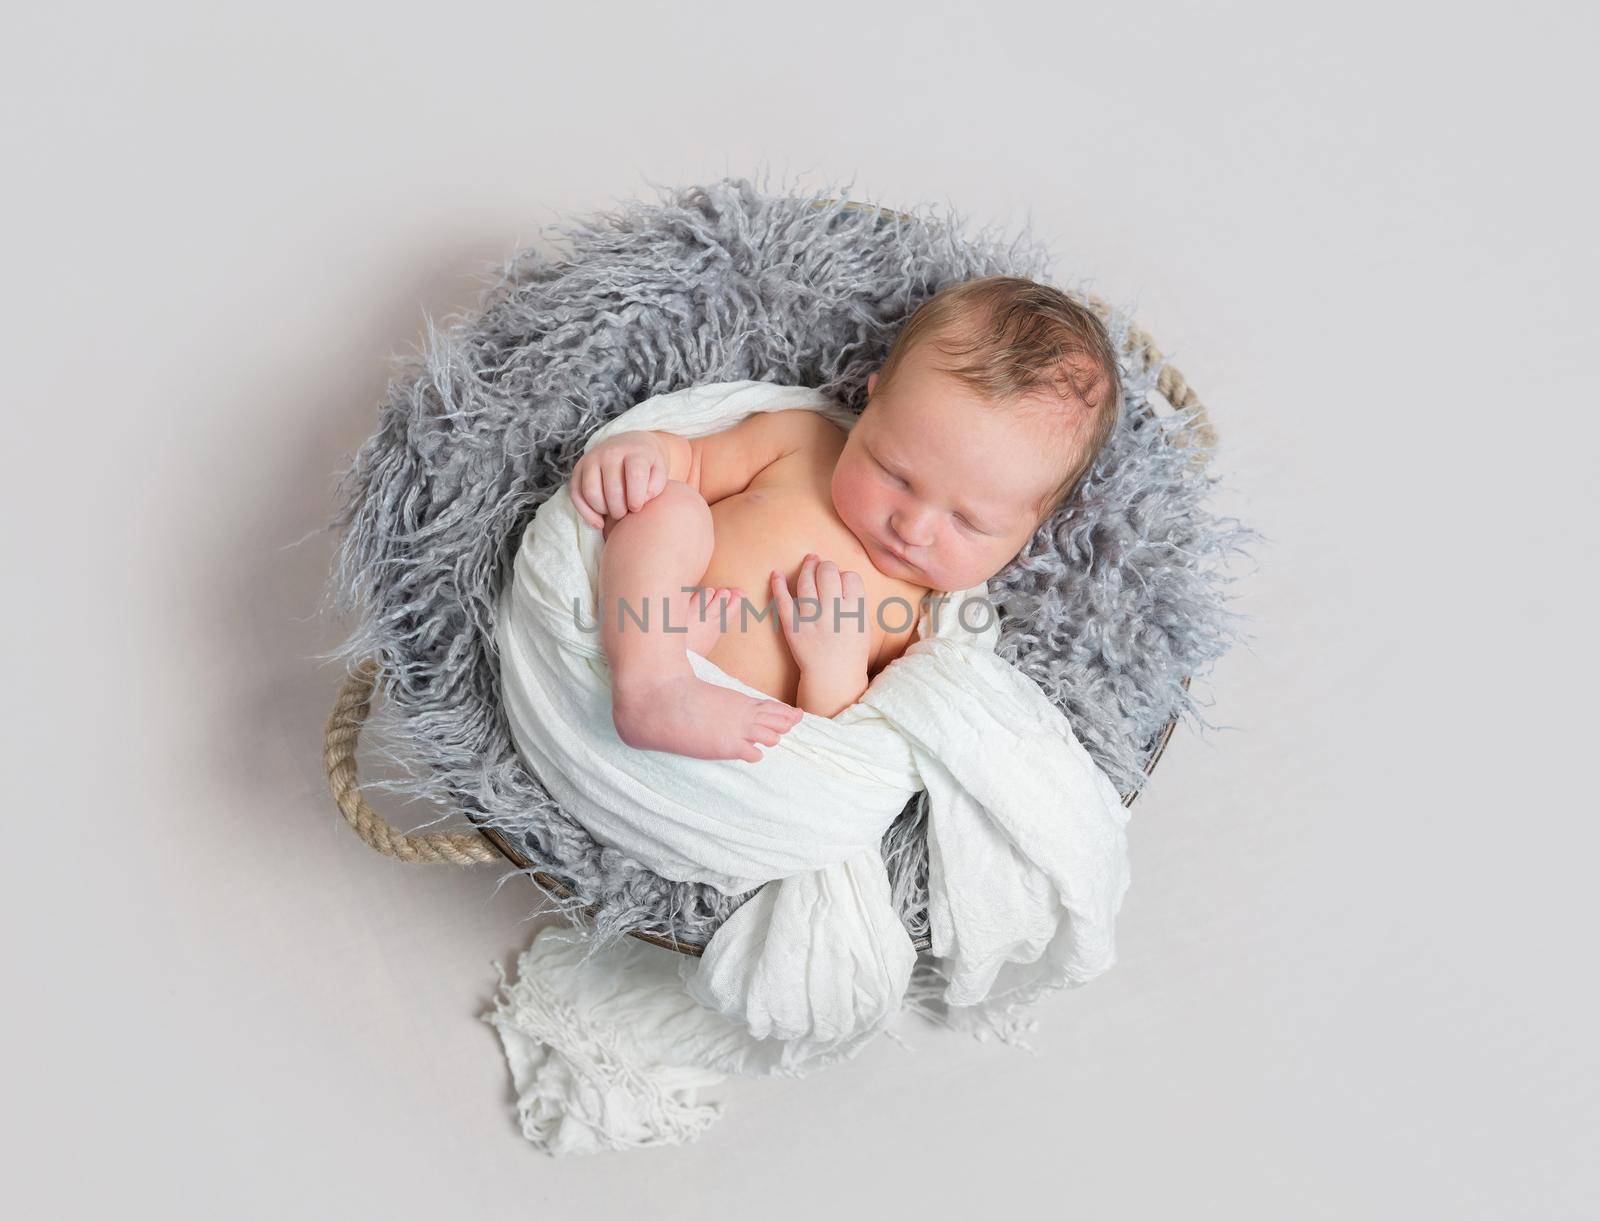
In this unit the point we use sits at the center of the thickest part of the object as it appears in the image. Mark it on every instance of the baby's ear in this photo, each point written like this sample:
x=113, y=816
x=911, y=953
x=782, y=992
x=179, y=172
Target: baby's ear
x=872, y=380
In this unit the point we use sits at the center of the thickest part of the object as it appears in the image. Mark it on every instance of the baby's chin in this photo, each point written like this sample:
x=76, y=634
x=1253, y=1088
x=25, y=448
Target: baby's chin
x=889, y=564
x=916, y=576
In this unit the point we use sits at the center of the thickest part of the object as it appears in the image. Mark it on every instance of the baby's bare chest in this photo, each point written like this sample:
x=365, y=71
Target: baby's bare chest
x=773, y=524
x=774, y=527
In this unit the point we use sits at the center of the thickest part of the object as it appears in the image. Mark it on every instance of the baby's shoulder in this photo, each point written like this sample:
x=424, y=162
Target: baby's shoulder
x=811, y=443
x=809, y=425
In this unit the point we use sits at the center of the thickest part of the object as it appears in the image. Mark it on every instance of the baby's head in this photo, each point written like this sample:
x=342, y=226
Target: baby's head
x=994, y=401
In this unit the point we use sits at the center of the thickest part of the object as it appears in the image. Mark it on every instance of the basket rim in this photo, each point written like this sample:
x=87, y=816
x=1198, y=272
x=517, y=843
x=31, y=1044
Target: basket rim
x=486, y=843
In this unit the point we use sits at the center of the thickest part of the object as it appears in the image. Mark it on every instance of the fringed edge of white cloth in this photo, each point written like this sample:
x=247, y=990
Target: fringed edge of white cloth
x=579, y=1089
x=585, y=1081
x=609, y=1051
x=1004, y=1021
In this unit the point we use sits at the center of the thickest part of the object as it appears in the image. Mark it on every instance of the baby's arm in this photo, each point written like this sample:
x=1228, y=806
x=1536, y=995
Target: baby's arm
x=625, y=472
x=825, y=624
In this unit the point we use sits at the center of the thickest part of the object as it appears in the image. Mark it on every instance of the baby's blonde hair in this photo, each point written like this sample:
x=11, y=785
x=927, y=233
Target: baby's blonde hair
x=1014, y=338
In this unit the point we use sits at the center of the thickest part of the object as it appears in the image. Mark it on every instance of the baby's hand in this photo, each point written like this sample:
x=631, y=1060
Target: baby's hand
x=827, y=627
x=620, y=475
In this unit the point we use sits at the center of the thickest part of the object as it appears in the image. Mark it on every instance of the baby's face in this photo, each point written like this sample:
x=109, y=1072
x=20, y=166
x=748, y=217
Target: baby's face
x=942, y=489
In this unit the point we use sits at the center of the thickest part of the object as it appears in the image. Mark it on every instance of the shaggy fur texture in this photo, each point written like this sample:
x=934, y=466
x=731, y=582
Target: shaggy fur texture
x=1111, y=604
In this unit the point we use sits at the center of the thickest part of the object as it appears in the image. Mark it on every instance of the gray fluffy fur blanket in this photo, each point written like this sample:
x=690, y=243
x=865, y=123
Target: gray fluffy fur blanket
x=1113, y=602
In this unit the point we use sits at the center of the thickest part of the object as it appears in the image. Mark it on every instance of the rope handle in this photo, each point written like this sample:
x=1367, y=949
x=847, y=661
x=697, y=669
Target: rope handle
x=1174, y=387
x=339, y=757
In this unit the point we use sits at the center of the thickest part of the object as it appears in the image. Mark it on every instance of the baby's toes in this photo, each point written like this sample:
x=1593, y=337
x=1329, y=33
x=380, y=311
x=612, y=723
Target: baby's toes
x=781, y=717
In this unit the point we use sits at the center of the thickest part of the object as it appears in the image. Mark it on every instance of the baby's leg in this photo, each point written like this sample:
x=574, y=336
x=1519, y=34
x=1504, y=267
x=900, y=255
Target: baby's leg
x=657, y=701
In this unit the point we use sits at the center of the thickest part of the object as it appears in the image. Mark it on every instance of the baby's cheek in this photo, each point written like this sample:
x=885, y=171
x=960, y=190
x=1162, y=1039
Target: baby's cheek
x=969, y=571
x=850, y=498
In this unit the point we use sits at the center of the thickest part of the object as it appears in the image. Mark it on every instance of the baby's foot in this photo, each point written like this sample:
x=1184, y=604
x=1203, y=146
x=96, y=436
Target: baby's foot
x=679, y=713
x=710, y=611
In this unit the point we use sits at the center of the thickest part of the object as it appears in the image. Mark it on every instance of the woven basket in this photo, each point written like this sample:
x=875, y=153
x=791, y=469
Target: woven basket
x=485, y=844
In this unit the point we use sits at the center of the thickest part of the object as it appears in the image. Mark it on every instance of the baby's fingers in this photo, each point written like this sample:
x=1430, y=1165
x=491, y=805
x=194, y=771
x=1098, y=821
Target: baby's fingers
x=805, y=584
x=828, y=584
x=588, y=497
x=779, y=584
x=780, y=587
x=616, y=498
x=636, y=474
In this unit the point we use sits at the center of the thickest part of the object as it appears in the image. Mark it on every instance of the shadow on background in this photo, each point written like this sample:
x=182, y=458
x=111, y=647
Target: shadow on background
x=264, y=582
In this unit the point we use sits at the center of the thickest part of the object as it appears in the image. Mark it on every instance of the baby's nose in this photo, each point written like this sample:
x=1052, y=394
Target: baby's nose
x=912, y=531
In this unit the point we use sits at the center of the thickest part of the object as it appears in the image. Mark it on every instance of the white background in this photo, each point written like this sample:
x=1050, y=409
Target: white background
x=1356, y=973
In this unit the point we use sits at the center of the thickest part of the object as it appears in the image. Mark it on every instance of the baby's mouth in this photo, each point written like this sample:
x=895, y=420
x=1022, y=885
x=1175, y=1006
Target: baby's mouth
x=895, y=555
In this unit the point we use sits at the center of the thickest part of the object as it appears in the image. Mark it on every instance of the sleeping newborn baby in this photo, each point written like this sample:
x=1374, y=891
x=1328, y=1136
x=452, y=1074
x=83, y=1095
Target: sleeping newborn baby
x=993, y=402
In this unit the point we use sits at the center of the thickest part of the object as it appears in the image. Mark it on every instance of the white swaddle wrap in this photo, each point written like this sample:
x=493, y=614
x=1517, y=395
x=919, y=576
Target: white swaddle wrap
x=1027, y=848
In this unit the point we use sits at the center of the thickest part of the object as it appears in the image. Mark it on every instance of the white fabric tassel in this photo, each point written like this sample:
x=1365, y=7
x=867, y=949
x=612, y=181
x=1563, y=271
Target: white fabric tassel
x=607, y=1051
x=579, y=1087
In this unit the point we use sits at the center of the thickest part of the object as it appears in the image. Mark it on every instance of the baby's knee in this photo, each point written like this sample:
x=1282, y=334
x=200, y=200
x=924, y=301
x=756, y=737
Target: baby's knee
x=677, y=509
x=678, y=497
